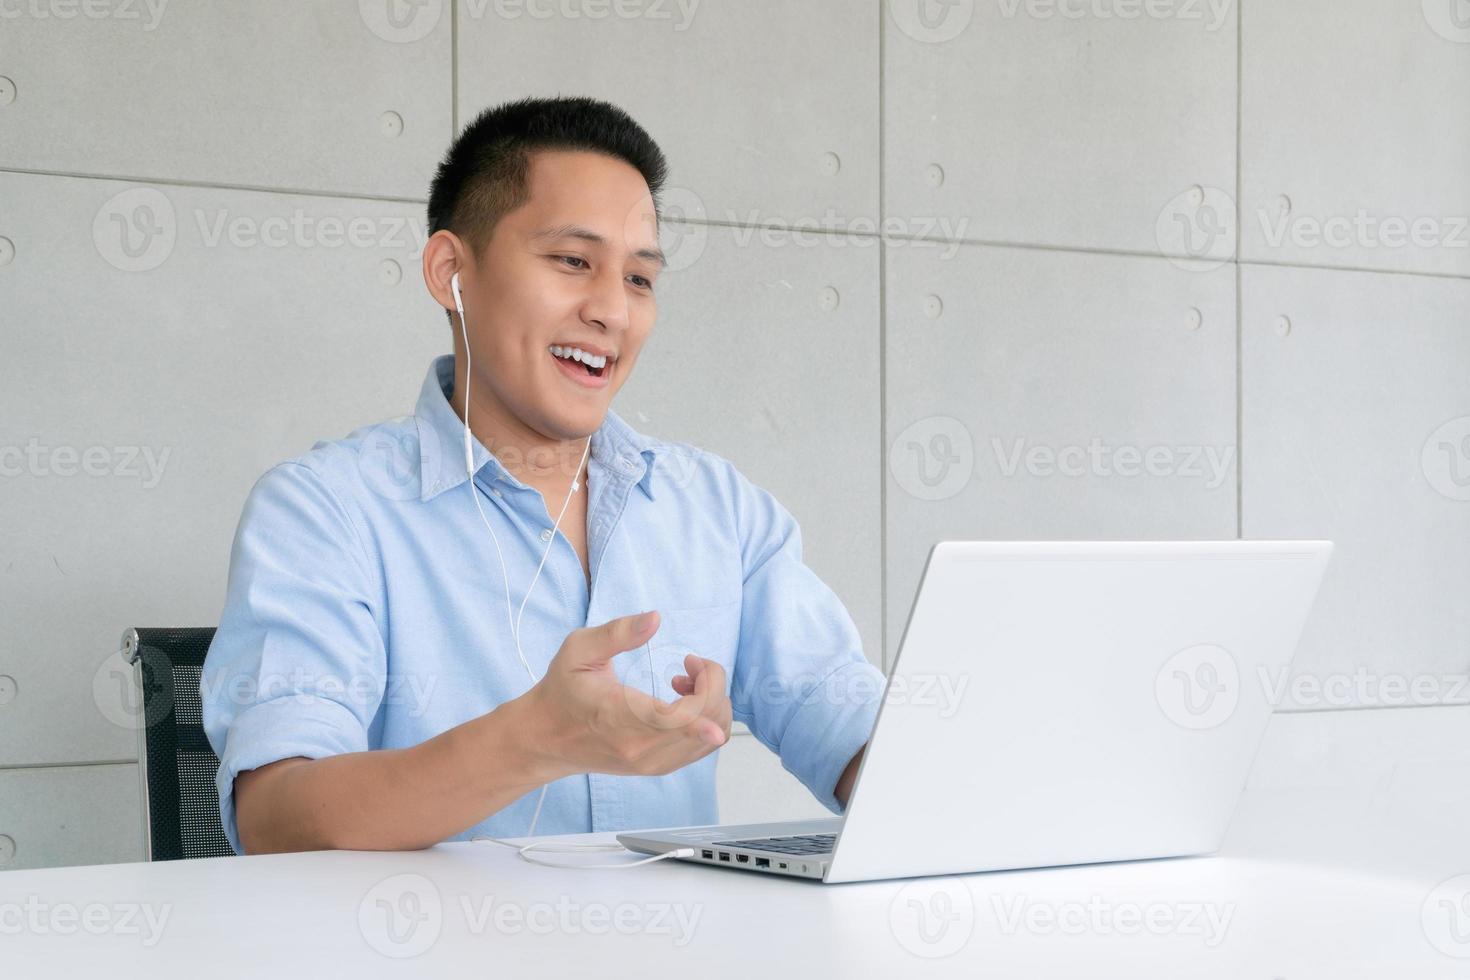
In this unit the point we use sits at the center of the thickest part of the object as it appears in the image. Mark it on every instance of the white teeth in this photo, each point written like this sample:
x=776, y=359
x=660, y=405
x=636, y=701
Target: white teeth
x=578, y=354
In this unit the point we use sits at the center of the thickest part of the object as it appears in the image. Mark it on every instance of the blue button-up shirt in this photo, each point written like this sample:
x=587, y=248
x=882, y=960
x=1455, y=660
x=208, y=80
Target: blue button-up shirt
x=366, y=610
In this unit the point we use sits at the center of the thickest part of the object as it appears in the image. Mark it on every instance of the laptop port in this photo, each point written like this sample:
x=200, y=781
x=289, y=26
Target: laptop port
x=743, y=858
x=724, y=855
x=707, y=855
x=782, y=864
x=762, y=862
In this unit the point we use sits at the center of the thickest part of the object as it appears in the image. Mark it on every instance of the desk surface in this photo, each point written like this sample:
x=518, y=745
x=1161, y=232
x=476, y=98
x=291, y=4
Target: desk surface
x=478, y=910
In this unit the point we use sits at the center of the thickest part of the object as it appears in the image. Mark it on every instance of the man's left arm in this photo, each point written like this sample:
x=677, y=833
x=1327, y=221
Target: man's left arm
x=849, y=775
x=801, y=682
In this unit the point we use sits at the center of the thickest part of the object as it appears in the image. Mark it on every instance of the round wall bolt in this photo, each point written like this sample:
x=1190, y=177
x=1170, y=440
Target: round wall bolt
x=390, y=124
x=8, y=689
x=831, y=163
x=1194, y=318
x=391, y=272
x=7, y=91
x=7, y=250
x=7, y=849
x=934, y=175
x=1283, y=204
x=1196, y=195
x=933, y=306
x=828, y=299
x=1283, y=326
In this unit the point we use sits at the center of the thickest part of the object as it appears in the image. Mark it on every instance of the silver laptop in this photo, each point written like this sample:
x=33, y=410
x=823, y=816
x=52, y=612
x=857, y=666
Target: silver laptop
x=1105, y=701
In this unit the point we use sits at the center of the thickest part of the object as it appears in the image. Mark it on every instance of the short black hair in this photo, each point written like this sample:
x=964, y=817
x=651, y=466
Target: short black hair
x=485, y=174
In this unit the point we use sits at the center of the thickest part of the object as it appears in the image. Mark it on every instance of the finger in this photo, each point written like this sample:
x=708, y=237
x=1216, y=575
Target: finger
x=709, y=687
x=595, y=646
x=710, y=676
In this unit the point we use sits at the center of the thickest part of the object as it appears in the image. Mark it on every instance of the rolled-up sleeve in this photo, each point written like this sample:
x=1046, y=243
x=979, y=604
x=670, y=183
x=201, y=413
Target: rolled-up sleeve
x=801, y=684
x=297, y=666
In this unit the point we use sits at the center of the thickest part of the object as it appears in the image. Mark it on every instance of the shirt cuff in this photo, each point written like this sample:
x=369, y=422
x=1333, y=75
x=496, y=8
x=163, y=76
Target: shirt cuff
x=829, y=728
x=292, y=725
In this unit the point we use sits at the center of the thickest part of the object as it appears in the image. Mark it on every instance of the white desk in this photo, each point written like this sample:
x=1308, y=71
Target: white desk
x=478, y=910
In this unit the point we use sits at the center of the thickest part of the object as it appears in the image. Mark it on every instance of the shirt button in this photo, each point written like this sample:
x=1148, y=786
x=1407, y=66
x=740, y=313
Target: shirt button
x=495, y=490
x=546, y=535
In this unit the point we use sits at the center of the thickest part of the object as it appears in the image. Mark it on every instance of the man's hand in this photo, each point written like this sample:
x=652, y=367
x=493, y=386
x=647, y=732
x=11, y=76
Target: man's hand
x=586, y=721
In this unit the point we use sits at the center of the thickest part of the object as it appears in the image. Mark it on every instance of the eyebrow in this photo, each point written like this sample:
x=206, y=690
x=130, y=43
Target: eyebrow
x=587, y=234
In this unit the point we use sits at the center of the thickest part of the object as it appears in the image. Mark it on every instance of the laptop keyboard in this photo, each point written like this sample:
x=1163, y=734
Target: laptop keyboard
x=799, y=844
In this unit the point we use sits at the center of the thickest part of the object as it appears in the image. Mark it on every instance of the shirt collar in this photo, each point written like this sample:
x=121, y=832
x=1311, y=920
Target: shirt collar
x=616, y=446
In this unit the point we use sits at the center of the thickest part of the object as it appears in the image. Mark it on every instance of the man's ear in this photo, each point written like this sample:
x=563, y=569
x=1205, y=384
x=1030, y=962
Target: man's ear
x=444, y=253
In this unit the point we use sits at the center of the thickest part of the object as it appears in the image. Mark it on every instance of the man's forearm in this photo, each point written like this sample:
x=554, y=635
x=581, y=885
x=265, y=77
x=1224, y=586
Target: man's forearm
x=394, y=799
x=849, y=776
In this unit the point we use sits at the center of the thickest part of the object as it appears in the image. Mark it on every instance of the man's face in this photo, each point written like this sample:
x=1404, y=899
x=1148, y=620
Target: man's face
x=573, y=267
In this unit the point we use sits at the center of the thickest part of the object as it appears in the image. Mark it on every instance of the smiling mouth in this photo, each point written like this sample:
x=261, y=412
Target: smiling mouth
x=595, y=372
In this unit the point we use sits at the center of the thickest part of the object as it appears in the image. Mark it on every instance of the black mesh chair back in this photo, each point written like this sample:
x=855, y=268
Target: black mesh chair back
x=175, y=761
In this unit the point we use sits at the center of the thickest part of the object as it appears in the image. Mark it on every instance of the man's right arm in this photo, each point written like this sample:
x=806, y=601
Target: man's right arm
x=392, y=799
x=577, y=718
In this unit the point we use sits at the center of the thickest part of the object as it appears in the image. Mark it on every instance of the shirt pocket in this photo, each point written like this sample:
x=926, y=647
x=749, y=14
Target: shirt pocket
x=712, y=632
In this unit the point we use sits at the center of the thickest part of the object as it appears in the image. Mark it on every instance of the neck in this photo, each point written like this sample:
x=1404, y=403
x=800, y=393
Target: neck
x=546, y=463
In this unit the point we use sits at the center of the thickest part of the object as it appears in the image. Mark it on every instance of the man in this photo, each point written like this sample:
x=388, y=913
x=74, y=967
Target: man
x=368, y=686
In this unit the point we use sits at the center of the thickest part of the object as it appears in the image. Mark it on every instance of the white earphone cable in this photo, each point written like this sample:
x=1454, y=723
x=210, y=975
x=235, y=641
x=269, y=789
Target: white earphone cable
x=515, y=624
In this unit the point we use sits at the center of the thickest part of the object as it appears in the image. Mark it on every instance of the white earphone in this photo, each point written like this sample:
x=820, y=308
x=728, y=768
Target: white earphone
x=515, y=624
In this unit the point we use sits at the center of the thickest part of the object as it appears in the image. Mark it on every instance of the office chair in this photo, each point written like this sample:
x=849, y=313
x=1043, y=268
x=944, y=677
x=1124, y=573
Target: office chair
x=175, y=762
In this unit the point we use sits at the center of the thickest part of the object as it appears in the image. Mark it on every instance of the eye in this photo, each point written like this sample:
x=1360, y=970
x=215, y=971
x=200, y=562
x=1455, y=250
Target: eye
x=643, y=283
x=573, y=258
